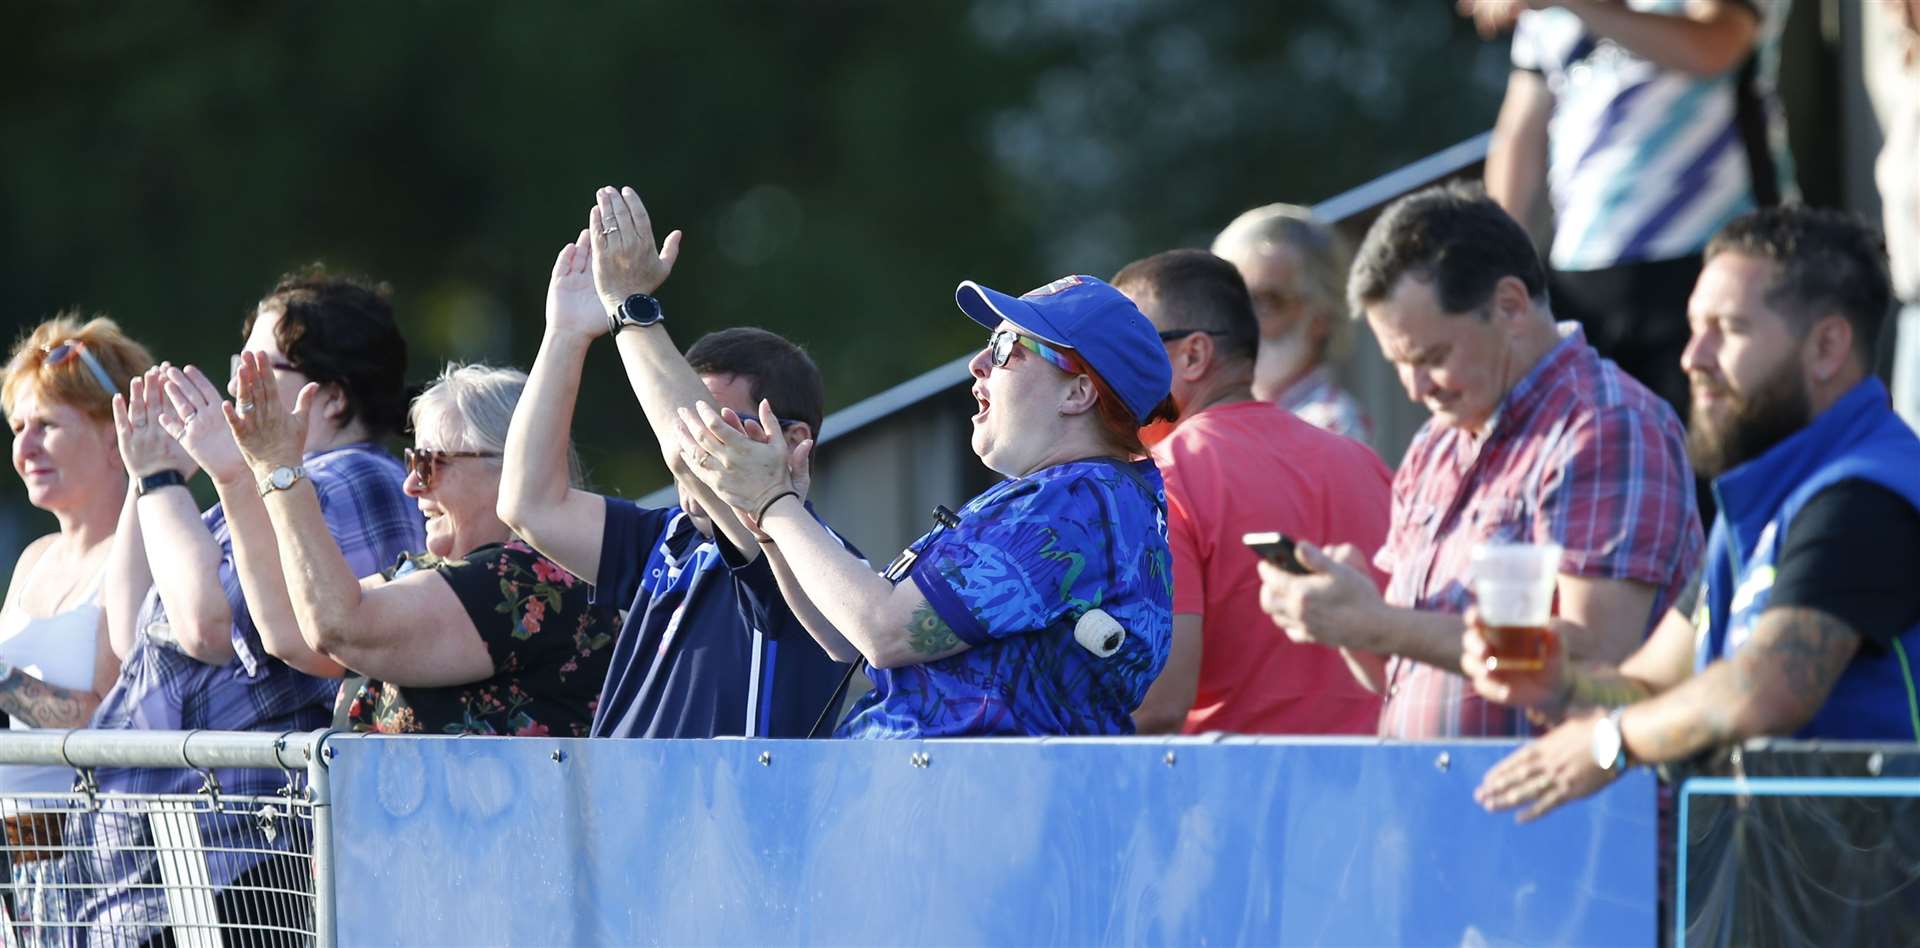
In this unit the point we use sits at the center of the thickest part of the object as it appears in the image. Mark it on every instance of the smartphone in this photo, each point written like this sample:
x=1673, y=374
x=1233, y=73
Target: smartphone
x=1275, y=548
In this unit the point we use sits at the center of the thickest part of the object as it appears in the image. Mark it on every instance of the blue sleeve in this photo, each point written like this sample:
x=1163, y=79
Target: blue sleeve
x=1022, y=562
x=762, y=605
x=626, y=543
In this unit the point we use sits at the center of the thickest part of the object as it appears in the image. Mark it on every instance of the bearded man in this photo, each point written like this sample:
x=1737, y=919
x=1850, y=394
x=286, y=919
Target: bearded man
x=1806, y=617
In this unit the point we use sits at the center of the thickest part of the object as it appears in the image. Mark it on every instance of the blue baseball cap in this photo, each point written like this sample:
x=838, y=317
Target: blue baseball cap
x=1093, y=319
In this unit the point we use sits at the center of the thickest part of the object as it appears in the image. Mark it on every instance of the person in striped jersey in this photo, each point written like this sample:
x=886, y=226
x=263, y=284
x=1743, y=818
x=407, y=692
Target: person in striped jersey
x=1651, y=124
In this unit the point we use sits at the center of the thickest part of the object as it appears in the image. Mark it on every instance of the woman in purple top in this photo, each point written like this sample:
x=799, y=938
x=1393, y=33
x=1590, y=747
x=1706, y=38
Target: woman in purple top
x=188, y=628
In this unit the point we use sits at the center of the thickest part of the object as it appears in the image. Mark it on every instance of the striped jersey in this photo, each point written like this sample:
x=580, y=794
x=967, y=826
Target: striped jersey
x=1644, y=162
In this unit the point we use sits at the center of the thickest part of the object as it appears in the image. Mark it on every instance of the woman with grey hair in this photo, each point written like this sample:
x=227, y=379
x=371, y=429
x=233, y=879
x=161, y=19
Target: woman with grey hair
x=1296, y=271
x=479, y=634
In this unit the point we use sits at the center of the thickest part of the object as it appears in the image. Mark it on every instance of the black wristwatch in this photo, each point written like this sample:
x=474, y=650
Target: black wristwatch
x=637, y=310
x=159, y=479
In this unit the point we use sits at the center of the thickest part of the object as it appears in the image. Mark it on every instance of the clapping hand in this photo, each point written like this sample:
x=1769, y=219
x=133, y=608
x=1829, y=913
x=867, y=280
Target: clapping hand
x=625, y=260
x=268, y=434
x=573, y=304
x=145, y=446
x=197, y=425
x=799, y=470
x=743, y=469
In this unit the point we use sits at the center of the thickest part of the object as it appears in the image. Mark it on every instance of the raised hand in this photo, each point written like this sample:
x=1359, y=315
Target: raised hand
x=267, y=433
x=195, y=422
x=743, y=471
x=625, y=260
x=573, y=304
x=145, y=446
x=799, y=471
x=798, y=454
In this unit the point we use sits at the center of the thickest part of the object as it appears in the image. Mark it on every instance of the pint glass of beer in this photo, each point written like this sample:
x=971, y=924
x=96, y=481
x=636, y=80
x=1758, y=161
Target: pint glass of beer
x=1513, y=583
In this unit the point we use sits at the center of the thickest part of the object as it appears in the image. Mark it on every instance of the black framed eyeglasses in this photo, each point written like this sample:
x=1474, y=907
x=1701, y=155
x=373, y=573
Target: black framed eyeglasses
x=233, y=366
x=1175, y=335
x=424, y=463
x=67, y=351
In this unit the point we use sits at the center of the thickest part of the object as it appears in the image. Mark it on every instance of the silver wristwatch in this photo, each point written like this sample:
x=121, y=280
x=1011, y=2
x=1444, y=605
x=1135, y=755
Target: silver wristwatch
x=281, y=478
x=1609, y=748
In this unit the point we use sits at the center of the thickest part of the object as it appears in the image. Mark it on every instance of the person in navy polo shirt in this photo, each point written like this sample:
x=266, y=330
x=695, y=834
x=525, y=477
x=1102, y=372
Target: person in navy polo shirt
x=707, y=647
x=1807, y=620
x=1045, y=605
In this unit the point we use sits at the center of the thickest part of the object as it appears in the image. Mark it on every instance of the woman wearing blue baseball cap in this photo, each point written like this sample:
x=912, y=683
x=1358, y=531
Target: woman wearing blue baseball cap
x=1045, y=605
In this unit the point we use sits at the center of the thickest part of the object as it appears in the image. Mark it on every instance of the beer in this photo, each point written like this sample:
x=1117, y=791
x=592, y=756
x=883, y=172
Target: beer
x=1517, y=647
x=1513, y=585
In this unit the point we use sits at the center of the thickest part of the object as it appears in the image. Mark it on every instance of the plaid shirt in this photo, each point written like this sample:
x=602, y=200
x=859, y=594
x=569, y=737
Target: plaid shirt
x=162, y=688
x=1319, y=401
x=1578, y=454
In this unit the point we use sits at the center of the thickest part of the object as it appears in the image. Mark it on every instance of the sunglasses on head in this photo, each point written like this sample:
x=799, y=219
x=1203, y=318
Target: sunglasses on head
x=65, y=352
x=1000, y=343
x=423, y=464
x=233, y=366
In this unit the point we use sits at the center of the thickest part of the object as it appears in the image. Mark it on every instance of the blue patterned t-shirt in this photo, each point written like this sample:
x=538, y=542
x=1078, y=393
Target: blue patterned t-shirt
x=1029, y=559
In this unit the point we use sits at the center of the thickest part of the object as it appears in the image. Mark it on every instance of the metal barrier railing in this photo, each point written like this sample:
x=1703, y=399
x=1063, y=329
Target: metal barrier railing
x=104, y=867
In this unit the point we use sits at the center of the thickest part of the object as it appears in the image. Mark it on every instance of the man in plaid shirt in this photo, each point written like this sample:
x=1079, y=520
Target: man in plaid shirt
x=1534, y=438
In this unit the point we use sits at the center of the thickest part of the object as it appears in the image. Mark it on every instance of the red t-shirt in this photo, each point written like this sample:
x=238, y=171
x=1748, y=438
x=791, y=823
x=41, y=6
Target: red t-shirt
x=1247, y=466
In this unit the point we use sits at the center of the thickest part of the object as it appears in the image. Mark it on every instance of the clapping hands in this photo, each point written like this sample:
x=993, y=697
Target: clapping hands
x=624, y=258
x=196, y=423
x=146, y=447
x=267, y=433
x=745, y=462
x=614, y=258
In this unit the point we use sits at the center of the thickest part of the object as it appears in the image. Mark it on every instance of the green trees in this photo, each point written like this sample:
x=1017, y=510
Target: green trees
x=837, y=167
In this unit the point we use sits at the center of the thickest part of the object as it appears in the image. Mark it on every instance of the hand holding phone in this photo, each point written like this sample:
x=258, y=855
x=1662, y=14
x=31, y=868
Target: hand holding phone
x=1275, y=548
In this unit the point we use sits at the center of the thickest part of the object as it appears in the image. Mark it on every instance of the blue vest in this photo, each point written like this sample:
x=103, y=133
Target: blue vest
x=1858, y=438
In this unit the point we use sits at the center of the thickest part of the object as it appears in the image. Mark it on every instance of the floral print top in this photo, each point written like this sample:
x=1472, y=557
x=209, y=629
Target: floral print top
x=550, y=649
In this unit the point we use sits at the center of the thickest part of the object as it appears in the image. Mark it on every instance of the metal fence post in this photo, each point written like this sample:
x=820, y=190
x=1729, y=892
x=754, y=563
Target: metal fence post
x=320, y=789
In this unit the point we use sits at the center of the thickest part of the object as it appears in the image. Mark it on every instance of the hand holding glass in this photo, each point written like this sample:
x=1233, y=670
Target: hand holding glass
x=1514, y=585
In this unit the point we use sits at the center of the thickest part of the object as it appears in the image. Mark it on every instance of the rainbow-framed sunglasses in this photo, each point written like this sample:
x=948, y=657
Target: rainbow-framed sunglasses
x=1000, y=343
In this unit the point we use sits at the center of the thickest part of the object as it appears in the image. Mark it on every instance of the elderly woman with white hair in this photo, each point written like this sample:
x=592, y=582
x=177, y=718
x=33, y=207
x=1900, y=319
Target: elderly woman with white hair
x=479, y=634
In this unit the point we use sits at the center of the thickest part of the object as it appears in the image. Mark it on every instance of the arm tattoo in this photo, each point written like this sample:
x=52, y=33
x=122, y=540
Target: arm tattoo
x=37, y=704
x=1810, y=650
x=928, y=634
x=1772, y=686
